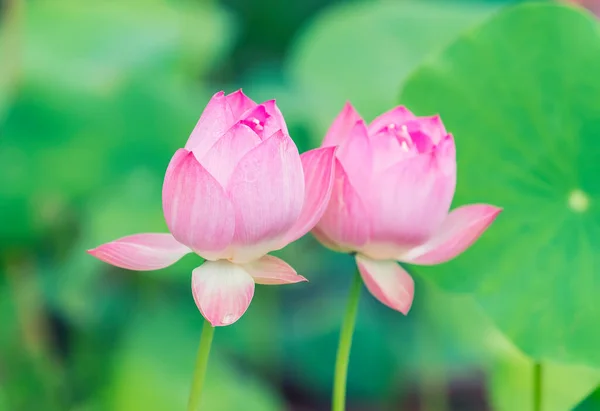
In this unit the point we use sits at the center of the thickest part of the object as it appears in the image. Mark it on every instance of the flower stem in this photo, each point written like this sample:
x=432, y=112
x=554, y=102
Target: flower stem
x=537, y=386
x=344, y=346
x=200, y=370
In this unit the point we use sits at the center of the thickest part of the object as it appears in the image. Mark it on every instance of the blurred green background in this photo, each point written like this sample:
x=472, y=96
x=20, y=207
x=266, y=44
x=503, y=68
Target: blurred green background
x=96, y=96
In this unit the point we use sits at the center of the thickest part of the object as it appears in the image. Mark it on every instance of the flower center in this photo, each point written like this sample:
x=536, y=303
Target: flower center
x=254, y=123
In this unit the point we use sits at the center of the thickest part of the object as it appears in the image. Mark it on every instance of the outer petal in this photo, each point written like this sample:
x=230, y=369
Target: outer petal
x=319, y=175
x=413, y=198
x=141, y=252
x=222, y=291
x=398, y=116
x=271, y=270
x=445, y=156
x=267, y=191
x=239, y=103
x=341, y=126
x=196, y=207
x=224, y=155
x=459, y=231
x=345, y=223
x=356, y=156
x=388, y=282
x=216, y=118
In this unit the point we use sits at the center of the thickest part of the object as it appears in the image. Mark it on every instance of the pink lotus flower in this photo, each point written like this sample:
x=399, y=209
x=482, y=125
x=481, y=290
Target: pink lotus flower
x=238, y=190
x=394, y=183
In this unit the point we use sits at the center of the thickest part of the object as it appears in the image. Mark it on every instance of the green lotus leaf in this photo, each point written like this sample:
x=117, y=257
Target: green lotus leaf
x=521, y=96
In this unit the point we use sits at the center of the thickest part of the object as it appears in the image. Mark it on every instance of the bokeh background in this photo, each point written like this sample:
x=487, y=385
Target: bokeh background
x=95, y=96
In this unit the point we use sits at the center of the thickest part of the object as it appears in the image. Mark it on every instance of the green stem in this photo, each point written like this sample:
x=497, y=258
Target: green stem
x=344, y=346
x=537, y=386
x=200, y=370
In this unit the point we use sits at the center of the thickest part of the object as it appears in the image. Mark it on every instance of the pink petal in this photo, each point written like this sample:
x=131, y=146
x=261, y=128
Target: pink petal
x=196, y=207
x=341, y=126
x=271, y=270
x=422, y=143
x=224, y=155
x=356, y=156
x=215, y=120
x=265, y=119
x=345, y=223
x=427, y=129
x=222, y=291
x=390, y=148
x=328, y=242
x=459, y=231
x=398, y=116
x=388, y=282
x=413, y=198
x=319, y=174
x=267, y=191
x=239, y=103
x=255, y=118
x=141, y=252
x=276, y=121
x=445, y=155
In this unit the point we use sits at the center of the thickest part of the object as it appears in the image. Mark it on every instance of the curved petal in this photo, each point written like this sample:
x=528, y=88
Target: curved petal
x=275, y=122
x=445, y=155
x=319, y=171
x=390, y=146
x=265, y=119
x=255, y=118
x=196, y=207
x=141, y=252
x=328, y=242
x=239, y=103
x=459, y=231
x=412, y=199
x=356, y=156
x=222, y=291
x=271, y=270
x=222, y=158
x=388, y=282
x=341, y=126
x=345, y=222
x=422, y=143
x=426, y=130
x=267, y=192
x=398, y=116
x=215, y=120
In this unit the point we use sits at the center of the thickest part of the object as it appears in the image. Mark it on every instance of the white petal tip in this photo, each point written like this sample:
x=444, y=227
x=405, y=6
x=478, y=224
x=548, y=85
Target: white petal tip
x=222, y=291
x=405, y=310
x=225, y=321
x=388, y=282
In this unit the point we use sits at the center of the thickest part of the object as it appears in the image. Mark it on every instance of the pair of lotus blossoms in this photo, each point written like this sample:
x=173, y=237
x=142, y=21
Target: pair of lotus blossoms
x=240, y=189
